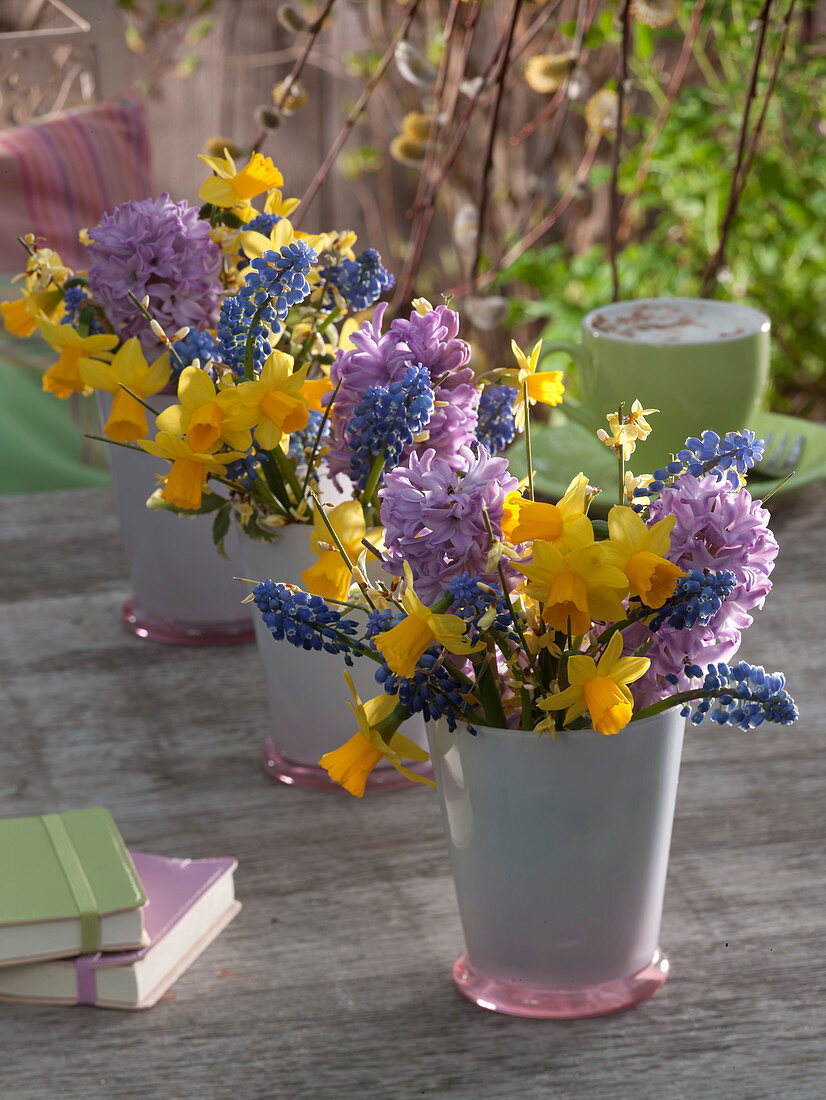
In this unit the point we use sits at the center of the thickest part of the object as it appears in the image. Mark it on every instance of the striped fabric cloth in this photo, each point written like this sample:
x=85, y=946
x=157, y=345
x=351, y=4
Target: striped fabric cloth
x=59, y=175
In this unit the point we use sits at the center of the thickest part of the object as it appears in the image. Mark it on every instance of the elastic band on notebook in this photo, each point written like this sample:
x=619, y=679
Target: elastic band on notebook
x=79, y=884
x=86, y=982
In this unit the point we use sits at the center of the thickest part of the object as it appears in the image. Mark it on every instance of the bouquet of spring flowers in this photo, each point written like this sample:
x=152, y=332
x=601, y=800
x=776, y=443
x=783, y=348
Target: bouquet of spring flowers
x=499, y=610
x=283, y=380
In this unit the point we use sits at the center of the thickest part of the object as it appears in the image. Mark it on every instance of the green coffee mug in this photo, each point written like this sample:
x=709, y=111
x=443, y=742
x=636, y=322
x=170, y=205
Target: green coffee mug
x=703, y=364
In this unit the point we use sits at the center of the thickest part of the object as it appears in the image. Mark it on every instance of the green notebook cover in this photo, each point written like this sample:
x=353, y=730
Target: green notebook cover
x=36, y=866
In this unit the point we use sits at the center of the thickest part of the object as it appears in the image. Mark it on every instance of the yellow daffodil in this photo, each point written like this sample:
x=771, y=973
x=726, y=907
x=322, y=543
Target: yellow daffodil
x=564, y=524
x=231, y=185
x=255, y=244
x=546, y=387
x=277, y=397
x=329, y=577
x=64, y=378
x=345, y=336
x=185, y=482
x=276, y=204
x=580, y=585
x=600, y=688
x=639, y=551
x=351, y=764
x=127, y=420
x=404, y=644
x=626, y=432
x=42, y=297
x=18, y=318
x=632, y=483
x=206, y=416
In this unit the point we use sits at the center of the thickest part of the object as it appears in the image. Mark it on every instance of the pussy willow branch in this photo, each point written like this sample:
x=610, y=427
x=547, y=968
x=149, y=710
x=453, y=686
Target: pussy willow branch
x=613, y=226
x=487, y=164
x=663, y=114
x=300, y=62
x=785, y=24
x=352, y=118
x=584, y=19
x=585, y=16
x=423, y=209
x=716, y=261
x=423, y=218
x=538, y=231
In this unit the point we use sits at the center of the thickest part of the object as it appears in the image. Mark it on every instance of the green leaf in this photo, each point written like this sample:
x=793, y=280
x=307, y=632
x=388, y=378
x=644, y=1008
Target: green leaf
x=220, y=527
x=210, y=502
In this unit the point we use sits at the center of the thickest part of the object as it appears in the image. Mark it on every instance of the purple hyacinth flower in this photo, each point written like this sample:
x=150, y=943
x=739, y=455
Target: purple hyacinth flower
x=433, y=517
x=160, y=248
x=715, y=529
x=377, y=359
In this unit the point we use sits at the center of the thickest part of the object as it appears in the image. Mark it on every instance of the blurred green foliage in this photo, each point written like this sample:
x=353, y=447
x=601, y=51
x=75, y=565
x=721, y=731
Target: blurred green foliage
x=776, y=255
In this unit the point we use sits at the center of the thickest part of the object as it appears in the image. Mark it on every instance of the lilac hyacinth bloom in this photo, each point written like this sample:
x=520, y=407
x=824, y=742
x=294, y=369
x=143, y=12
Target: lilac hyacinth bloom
x=433, y=517
x=716, y=529
x=378, y=359
x=160, y=248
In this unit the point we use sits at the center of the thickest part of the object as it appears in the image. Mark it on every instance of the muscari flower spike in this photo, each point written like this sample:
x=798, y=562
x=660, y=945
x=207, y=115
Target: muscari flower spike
x=729, y=459
x=746, y=696
x=696, y=600
x=361, y=282
x=276, y=281
x=387, y=420
x=474, y=600
x=305, y=621
x=195, y=345
x=496, y=426
x=432, y=689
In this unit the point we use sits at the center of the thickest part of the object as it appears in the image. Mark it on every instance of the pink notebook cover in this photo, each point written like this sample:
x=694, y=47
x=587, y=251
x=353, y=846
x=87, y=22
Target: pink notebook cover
x=172, y=887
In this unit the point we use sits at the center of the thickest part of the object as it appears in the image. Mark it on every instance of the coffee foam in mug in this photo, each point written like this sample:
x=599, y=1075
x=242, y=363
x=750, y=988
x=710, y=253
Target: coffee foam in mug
x=675, y=321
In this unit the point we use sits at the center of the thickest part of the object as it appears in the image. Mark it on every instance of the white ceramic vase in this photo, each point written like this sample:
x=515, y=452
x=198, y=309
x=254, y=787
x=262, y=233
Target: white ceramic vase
x=307, y=692
x=183, y=591
x=559, y=851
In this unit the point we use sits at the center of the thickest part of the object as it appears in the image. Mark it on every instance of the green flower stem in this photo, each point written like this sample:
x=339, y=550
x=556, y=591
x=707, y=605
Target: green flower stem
x=389, y=725
x=287, y=473
x=148, y=316
x=528, y=448
x=139, y=400
x=340, y=547
x=114, y=442
x=372, y=483
x=488, y=692
x=678, y=699
x=527, y=707
x=249, y=347
x=317, y=442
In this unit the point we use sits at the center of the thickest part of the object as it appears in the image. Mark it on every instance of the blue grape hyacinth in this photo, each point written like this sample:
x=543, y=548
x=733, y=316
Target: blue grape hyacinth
x=361, y=282
x=387, y=420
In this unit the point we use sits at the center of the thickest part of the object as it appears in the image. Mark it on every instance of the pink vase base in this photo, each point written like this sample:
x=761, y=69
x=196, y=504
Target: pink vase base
x=518, y=999
x=384, y=777
x=169, y=632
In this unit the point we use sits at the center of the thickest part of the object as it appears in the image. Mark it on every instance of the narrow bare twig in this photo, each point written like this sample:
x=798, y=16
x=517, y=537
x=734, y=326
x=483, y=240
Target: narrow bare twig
x=561, y=94
x=499, y=88
x=300, y=61
x=422, y=221
x=538, y=231
x=663, y=114
x=785, y=24
x=613, y=226
x=328, y=162
x=716, y=261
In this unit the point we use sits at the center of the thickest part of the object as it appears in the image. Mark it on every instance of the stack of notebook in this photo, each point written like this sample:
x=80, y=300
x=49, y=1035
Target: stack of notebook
x=84, y=921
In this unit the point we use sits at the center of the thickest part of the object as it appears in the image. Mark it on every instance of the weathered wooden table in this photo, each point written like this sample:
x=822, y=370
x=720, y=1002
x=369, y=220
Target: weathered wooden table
x=334, y=981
